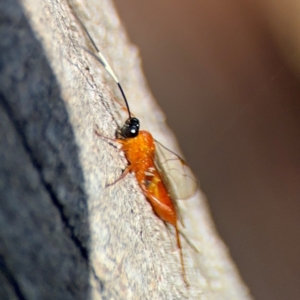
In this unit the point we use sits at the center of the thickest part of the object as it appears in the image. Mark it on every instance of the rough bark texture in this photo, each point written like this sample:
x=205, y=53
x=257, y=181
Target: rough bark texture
x=63, y=235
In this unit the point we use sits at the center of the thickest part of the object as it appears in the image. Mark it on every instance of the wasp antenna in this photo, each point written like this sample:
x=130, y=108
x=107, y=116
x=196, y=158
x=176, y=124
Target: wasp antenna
x=110, y=71
x=100, y=58
x=108, y=67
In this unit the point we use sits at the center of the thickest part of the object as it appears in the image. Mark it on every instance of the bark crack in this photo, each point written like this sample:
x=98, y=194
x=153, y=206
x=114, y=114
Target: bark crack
x=11, y=279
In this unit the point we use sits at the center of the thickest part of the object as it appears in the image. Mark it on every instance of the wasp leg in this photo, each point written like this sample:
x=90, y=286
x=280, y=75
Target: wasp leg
x=97, y=132
x=127, y=170
x=153, y=199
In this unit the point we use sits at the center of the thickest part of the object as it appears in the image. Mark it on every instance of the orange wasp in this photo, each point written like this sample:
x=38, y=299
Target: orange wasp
x=141, y=153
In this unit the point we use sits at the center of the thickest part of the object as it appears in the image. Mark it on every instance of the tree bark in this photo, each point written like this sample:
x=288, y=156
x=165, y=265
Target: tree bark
x=63, y=233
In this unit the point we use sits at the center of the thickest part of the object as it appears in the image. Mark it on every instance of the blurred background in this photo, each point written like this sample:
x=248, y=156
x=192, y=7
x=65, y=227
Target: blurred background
x=226, y=73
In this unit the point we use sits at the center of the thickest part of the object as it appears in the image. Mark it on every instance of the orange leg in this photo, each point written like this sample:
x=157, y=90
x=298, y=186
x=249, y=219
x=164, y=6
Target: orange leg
x=127, y=170
x=181, y=256
x=103, y=136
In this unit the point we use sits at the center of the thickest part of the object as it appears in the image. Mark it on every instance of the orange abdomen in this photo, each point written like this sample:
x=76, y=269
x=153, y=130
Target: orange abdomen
x=159, y=197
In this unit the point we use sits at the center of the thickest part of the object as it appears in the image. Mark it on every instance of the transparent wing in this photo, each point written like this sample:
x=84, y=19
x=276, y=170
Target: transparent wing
x=177, y=175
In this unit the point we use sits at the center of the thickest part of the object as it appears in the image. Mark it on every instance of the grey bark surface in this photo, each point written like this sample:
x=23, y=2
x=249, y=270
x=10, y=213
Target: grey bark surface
x=63, y=234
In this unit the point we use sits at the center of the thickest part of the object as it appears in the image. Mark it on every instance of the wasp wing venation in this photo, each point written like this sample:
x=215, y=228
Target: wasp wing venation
x=168, y=185
x=179, y=177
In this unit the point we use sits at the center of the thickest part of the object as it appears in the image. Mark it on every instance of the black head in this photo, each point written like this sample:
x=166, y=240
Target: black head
x=131, y=128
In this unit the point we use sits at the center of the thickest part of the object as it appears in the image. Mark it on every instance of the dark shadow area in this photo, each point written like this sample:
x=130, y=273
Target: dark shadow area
x=233, y=102
x=44, y=233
